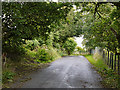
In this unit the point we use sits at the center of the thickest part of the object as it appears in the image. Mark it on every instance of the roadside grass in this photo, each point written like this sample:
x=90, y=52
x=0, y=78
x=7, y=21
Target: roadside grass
x=78, y=54
x=97, y=63
x=15, y=70
x=32, y=61
x=110, y=78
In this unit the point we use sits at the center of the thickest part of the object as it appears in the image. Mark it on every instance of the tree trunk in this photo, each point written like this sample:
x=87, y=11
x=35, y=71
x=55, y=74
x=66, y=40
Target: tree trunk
x=68, y=53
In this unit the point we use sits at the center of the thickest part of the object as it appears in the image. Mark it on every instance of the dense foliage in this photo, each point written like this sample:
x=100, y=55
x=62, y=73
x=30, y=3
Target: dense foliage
x=28, y=21
x=40, y=32
x=53, y=23
x=101, y=25
x=70, y=45
x=79, y=49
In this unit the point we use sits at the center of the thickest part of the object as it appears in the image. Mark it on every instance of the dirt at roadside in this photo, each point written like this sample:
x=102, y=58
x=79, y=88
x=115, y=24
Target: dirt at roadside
x=22, y=71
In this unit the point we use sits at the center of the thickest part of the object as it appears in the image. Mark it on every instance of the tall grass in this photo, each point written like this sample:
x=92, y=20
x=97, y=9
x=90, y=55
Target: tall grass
x=110, y=78
x=98, y=62
x=40, y=57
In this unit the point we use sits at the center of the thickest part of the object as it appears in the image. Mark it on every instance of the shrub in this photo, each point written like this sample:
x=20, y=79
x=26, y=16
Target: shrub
x=43, y=56
x=30, y=53
x=79, y=49
x=7, y=76
x=32, y=44
x=16, y=53
x=69, y=46
x=54, y=52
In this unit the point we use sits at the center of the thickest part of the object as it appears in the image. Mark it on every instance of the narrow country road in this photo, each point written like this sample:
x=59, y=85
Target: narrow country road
x=67, y=72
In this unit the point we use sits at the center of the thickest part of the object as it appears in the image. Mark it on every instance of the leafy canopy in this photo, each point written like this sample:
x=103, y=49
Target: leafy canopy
x=70, y=45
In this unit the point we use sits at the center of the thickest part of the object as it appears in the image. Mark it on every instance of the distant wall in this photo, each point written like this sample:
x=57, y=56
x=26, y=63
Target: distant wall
x=98, y=50
x=93, y=51
x=97, y=53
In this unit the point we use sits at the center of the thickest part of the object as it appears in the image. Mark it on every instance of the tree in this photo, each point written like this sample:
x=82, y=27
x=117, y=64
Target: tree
x=65, y=29
x=29, y=20
x=79, y=49
x=101, y=25
x=70, y=45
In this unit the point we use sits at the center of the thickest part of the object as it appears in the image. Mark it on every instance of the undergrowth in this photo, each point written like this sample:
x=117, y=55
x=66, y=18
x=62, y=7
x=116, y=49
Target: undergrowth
x=39, y=57
x=110, y=78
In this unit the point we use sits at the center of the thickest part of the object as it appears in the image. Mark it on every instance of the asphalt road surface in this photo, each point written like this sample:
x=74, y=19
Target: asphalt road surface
x=67, y=72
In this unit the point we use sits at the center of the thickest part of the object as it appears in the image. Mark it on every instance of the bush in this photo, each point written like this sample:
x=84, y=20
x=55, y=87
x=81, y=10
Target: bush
x=70, y=45
x=16, y=53
x=32, y=44
x=30, y=53
x=7, y=76
x=79, y=49
x=55, y=53
x=43, y=56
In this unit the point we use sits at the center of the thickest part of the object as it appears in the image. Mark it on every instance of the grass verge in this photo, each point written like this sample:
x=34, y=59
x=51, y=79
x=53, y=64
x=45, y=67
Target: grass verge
x=15, y=71
x=110, y=78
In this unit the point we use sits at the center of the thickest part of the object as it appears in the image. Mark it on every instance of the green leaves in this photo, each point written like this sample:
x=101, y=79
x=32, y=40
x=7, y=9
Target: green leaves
x=8, y=76
x=43, y=56
x=79, y=49
x=30, y=20
x=70, y=45
x=102, y=31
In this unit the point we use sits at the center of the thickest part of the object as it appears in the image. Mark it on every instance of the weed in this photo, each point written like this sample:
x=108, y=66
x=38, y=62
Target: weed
x=110, y=78
x=8, y=76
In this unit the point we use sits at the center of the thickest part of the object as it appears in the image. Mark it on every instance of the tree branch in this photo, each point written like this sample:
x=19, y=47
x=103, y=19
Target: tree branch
x=115, y=33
